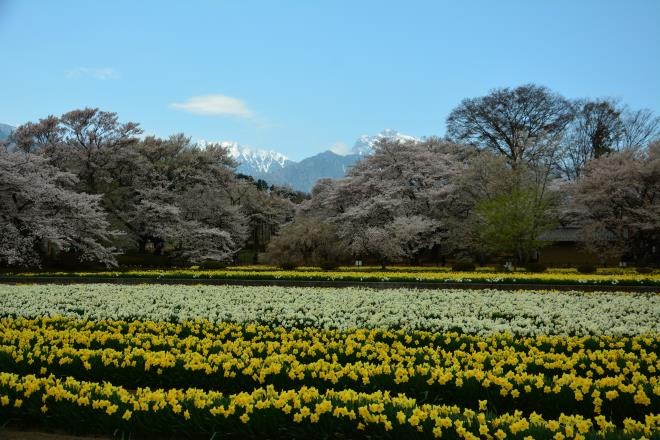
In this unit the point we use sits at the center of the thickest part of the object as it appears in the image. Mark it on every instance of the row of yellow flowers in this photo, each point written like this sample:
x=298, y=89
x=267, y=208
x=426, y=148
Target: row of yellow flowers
x=586, y=375
x=200, y=332
x=399, y=275
x=302, y=413
x=588, y=355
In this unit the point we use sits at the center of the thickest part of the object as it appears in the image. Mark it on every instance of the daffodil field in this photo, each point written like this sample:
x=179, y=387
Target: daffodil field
x=213, y=362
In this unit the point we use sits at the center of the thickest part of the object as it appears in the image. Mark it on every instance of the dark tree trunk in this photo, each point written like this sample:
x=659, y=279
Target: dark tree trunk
x=255, y=257
x=158, y=246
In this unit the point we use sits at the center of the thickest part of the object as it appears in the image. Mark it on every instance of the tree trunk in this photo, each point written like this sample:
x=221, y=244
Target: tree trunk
x=255, y=257
x=158, y=246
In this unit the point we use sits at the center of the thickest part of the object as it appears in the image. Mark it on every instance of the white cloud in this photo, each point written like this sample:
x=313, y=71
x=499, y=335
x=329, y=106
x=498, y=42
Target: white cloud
x=215, y=105
x=340, y=148
x=102, y=73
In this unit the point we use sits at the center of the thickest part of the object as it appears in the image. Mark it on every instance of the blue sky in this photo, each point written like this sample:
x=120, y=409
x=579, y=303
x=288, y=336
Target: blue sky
x=303, y=76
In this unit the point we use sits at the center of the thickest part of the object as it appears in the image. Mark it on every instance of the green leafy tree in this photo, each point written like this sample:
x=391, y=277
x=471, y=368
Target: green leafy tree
x=511, y=223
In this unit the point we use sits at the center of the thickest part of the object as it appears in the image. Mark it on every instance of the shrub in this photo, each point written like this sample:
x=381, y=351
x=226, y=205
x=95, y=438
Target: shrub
x=535, y=267
x=644, y=270
x=463, y=266
x=307, y=241
x=283, y=252
x=287, y=265
x=213, y=265
x=329, y=264
x=586, y=268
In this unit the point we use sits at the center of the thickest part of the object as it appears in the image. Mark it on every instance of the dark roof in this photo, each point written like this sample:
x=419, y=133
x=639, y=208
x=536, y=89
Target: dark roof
x=567, y=234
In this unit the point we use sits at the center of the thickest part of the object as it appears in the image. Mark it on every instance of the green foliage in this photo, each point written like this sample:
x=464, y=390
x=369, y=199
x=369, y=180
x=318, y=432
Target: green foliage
x=511, y=223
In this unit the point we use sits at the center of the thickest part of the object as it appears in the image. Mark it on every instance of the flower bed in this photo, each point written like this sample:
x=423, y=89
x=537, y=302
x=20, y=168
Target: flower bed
x=246, y=362
x=412, y=275
x=549, y=375
x=475, y=312
x=268, y=413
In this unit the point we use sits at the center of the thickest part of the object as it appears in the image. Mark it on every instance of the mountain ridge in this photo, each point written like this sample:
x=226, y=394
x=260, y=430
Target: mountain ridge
x=275, y=168
x=252, y=161
x=5, y=131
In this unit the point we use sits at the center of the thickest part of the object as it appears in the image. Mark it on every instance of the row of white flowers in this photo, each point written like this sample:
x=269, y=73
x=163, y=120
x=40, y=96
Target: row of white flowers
x=471, y=311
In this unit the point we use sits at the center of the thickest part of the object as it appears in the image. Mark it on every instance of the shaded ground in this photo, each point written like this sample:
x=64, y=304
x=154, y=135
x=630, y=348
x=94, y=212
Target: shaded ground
x=11, y=434
x=336, y=283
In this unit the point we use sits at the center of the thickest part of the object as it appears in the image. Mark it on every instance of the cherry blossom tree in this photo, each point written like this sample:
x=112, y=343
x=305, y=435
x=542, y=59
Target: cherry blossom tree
x=40, y=209
x=166, y=193
x=393, y=204
x=617, y=204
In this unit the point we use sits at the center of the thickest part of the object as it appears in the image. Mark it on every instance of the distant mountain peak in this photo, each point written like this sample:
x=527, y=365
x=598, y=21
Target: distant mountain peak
x=364, y=145
x=5, y=131
x=276, y=168
x=252, y=160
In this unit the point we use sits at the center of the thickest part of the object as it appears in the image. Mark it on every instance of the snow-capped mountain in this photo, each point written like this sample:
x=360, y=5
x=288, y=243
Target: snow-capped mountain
x=276, y=168
x=5, y=131
x=253, y=161
x=364, y=145
x=261, y=161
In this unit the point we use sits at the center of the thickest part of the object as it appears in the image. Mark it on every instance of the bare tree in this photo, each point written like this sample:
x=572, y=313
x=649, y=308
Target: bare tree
x=601, y=127
x=596, y=130
x=523, y=124
x=640, y=128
